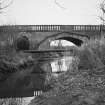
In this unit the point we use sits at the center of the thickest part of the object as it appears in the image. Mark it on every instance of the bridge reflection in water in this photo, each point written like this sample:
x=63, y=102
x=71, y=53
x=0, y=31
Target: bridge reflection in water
x=59, y=64
x=63, y=63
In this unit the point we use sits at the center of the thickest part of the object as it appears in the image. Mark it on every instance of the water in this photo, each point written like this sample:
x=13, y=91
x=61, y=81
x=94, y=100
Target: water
x=26, y=100
x=60, y=64
x=53, y=64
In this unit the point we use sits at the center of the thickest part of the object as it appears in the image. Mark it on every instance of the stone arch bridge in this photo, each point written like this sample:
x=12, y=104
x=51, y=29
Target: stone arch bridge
x=39, y=36
x=23, y=37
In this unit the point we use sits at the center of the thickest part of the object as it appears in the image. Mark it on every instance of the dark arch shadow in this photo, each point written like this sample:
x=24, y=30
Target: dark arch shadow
x=73, y=40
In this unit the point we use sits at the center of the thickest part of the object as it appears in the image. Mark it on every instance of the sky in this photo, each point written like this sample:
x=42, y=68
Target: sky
x=44, y=12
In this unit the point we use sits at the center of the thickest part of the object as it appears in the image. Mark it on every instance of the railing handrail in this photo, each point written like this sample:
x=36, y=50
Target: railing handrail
x=51, y=27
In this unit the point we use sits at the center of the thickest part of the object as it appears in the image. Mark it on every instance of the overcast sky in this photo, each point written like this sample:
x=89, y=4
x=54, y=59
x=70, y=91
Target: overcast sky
x=51, y=12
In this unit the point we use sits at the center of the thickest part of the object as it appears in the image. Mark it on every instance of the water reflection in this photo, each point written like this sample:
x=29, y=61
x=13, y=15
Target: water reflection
x=61, y=64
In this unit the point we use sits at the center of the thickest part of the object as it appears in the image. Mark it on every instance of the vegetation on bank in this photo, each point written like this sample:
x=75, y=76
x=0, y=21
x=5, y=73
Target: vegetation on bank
x=83, y=83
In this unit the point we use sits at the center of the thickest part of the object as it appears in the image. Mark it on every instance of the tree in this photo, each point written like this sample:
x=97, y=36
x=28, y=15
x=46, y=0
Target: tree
x=59, y=5
x=4, y=4
x=102, y=7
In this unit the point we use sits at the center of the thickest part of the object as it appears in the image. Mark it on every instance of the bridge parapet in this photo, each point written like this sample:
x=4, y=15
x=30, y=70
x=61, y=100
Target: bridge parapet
x=39, y=28
x=80, y=27
x=51, y=28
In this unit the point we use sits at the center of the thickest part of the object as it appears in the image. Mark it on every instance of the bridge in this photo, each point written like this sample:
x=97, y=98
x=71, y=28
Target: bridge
x=40, y=36
x=37, y=37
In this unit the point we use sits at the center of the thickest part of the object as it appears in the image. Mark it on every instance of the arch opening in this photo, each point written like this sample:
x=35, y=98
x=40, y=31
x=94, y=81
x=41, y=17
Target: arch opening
x=75, y=41
x=61, y=43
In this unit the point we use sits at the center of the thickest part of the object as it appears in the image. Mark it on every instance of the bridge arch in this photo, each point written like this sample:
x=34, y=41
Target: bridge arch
x=77, y=39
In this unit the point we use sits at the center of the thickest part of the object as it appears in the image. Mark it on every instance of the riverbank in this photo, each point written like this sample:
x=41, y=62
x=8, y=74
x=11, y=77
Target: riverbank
x=83, y=83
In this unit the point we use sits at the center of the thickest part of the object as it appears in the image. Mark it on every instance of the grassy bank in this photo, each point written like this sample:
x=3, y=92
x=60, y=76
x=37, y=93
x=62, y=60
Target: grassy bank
x=83, y=83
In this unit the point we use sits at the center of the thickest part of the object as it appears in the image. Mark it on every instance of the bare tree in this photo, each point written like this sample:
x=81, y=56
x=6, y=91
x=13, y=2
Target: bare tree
x=4, y=4
x=59, y=5
x=102, y=7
